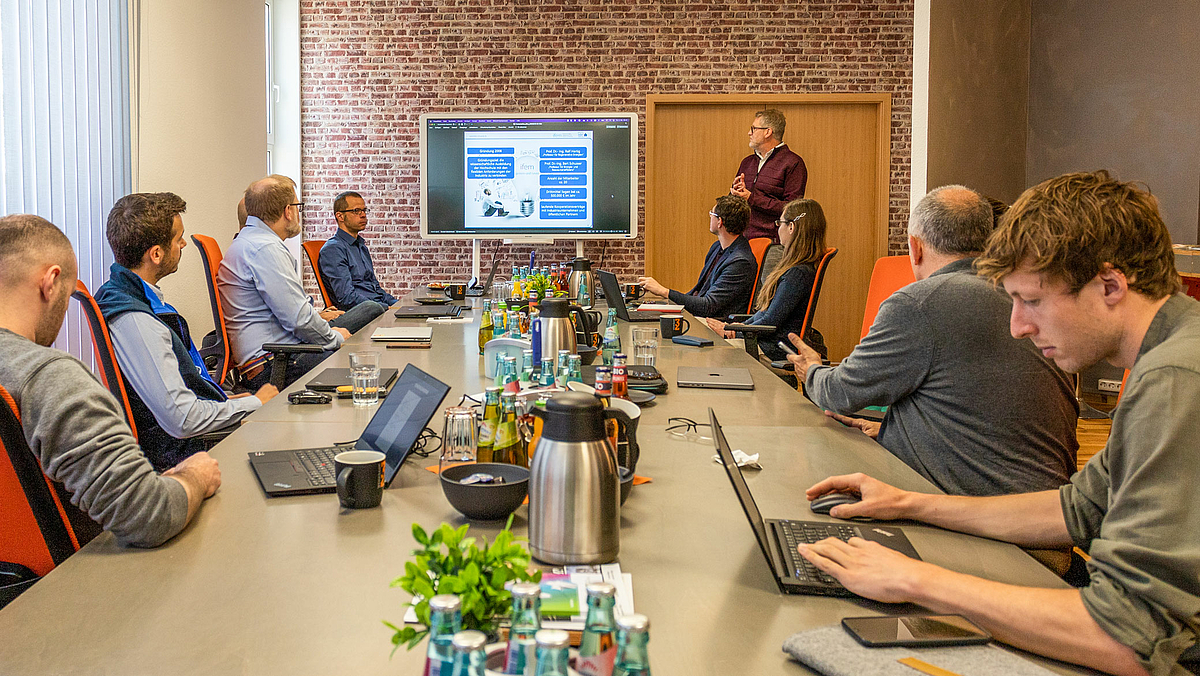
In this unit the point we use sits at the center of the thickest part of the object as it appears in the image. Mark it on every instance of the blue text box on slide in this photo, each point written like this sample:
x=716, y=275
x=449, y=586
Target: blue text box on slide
x=563, y=152
x=564, y=166
x=563, y=179
x=490, y=167
x=491, y=151
x=556, y=210
x=564, y=193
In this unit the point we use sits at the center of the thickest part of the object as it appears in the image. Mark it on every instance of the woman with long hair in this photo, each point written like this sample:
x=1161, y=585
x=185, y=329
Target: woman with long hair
x=783, y=297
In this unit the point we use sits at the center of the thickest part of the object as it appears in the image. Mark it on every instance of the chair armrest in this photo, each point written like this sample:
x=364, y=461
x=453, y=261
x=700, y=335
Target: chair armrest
x=783, y=365
x=291, y=348
x=739, y=318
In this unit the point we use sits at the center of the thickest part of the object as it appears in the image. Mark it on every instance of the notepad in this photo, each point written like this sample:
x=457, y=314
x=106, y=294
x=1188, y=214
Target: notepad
x=659, y=307
x=403, y=334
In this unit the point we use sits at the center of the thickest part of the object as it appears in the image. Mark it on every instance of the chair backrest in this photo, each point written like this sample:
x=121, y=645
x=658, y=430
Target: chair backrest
x=312, y=248
x=770, y=261
x=891, y=274
x=106, y=356
x=815, y=294
x=759, y=246
x=35, y=528
x=210, y=255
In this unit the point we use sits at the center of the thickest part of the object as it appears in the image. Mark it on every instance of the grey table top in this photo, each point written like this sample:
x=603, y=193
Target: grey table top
x=299, y=585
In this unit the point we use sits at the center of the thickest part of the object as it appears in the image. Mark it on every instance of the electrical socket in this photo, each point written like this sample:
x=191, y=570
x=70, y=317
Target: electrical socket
x=1109, y=385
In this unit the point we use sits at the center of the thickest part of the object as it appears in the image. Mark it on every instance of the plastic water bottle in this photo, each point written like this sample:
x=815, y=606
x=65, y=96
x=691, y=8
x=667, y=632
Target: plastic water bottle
x=598, y=647
x=445, y=620
x=526, y=621
x=633, y=657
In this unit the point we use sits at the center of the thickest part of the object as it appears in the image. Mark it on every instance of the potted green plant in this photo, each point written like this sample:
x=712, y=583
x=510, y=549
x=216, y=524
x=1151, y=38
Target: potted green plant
x=539, y=286
x=449, y=562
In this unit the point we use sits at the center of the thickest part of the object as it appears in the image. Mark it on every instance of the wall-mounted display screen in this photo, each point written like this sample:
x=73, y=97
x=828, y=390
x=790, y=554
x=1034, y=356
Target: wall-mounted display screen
x=538, y=176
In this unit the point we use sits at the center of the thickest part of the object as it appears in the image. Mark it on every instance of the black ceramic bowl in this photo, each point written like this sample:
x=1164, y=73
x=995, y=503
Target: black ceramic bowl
x=486, y=502
x=626, y=483
x=587, y=354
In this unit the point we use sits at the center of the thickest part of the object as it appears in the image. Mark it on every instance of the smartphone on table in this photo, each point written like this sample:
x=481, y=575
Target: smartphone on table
x=915, y=631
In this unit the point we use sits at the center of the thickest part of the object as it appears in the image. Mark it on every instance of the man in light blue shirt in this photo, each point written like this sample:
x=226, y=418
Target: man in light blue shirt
x=261, y=293
x=346, y=263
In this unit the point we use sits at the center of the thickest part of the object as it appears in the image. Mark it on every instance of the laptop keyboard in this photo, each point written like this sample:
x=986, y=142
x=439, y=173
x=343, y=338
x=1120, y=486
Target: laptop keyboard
x=809, y=532
x=318, y=464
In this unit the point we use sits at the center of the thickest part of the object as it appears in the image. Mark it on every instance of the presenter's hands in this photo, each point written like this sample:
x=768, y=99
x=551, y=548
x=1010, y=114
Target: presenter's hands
x=344, y=332
x=868, y=427
x=868, y=568
x=879, y=500
x=805, y=356
x=330, y=314
x=739, y=187
x=266, y=393
x=651, y=285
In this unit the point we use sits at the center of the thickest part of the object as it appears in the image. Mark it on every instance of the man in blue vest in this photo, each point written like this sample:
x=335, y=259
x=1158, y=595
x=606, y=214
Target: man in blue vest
x=174, y=399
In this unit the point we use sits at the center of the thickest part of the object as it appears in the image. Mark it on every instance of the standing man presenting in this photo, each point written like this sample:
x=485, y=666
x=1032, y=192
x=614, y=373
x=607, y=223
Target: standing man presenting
x=346, y=263
x=770, y=177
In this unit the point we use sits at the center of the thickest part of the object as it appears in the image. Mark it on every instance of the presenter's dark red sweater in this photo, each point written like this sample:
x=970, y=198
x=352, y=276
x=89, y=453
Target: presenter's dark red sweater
x=782, y=179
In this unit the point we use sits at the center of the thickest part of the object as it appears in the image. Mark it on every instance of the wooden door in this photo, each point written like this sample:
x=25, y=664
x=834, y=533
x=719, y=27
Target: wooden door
x=694, y=144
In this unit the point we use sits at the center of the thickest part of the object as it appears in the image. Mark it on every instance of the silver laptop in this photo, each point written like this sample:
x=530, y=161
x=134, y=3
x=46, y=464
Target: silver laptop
x=716, y=378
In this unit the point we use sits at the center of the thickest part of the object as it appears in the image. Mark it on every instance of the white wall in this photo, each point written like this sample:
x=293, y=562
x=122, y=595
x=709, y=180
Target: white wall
x=199, y=122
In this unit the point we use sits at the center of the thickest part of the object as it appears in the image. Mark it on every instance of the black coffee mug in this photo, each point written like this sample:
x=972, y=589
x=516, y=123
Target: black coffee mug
x=633, y=291
x=673, y=325
x=359, y=478
x=456, y=291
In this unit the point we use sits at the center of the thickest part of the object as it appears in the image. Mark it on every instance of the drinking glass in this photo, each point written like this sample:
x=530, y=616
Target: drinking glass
x=645, y=345
x=364, y=377
x=460, y=437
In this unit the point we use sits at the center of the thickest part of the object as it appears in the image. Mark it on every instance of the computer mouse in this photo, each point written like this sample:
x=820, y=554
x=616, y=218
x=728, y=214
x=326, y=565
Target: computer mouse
x=826, y=502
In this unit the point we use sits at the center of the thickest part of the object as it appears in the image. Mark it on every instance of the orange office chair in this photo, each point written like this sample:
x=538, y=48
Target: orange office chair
x=106, y=356
x=312, y=248
x=750, y=332
x=759, y=245
x=210, y=255
x=891, y=274
x=39, y=527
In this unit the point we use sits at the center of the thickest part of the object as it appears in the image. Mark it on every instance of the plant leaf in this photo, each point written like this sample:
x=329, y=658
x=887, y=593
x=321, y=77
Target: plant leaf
x=419, y=534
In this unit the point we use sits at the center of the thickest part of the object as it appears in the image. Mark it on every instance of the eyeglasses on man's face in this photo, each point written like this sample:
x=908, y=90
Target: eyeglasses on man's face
x=713, y=214
x=361, y=211
x=754, y=129
x=298, y=205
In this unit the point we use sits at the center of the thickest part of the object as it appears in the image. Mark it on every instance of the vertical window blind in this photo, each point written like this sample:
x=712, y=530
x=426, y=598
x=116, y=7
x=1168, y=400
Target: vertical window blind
x=65, y=149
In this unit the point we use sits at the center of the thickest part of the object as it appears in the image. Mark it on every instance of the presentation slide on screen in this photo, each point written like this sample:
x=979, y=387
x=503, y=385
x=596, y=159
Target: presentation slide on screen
x=535, y=179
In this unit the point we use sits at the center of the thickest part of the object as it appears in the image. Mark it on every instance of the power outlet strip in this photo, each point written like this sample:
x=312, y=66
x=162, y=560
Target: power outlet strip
x=1105, y=385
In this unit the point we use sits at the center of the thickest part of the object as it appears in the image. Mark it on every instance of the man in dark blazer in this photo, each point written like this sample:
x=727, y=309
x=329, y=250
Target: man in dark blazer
x=727, y=280
x=770, y=177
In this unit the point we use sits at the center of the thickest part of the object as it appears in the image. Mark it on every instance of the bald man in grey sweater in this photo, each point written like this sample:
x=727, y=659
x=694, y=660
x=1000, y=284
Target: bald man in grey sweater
x=71, y=422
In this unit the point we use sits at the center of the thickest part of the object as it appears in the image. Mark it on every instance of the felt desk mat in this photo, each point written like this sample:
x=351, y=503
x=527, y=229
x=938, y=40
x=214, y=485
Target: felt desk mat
x=833, y=652
x=637, y=480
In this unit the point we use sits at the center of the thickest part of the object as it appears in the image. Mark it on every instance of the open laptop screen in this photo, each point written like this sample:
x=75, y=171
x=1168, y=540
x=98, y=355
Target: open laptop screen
x=406, y=411
x=739, y=486
x=612, y=293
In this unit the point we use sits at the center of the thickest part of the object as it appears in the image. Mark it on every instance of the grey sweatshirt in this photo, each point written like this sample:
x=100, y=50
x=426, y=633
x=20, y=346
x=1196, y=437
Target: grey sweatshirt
x=972, y=409
x=1133, y=507
x=75, y=428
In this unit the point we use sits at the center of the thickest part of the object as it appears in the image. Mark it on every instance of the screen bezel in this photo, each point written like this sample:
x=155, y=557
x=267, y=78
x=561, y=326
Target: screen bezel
x=535, y=237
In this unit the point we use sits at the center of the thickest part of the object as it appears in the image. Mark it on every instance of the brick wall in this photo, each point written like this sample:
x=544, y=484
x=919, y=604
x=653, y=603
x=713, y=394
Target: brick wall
x=369, y=68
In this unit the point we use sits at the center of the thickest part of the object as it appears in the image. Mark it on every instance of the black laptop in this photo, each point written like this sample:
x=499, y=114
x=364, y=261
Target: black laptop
x=477, y=291
x=332, y=378
x=393, y=430
x=778, y=539
x=612, y=294
x=427, y=311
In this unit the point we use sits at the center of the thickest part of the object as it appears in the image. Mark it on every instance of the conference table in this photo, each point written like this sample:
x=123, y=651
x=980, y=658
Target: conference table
x=299, y=585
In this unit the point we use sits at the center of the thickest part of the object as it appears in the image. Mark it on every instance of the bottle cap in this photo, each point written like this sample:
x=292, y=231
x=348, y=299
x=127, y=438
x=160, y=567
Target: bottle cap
x=634, y=623
x=444, y=602
x=469, y=641
x=526, y=589
x=601, y=589
x=552, y=638
x=493, y=388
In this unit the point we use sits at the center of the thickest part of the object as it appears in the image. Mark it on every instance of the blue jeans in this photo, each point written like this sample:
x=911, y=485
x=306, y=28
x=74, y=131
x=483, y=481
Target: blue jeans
x=352, y=320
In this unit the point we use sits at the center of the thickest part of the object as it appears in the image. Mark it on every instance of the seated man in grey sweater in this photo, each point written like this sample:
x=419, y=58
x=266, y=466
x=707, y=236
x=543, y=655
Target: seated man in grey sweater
x=1088, y=263
x=974, y=410
x=70, y=420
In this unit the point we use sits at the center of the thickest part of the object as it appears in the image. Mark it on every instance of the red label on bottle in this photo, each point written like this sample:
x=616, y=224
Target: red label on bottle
x=597, y=665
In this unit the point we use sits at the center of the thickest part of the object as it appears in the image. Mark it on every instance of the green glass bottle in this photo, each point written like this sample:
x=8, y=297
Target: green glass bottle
x=526, y=621
x=633, y=657
x=508, y=446
x=445, y=620
x=485, y=325
x=598, y=647
x=469, y=656
x=491, y=420
x=612, y=338
x=552, y=647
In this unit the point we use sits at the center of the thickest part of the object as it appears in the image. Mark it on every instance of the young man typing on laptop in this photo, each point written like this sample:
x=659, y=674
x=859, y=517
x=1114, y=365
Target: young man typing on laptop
x=1089, y=265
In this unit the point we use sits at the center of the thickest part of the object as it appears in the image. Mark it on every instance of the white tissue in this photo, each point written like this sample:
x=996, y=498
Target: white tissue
x=742, y=459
